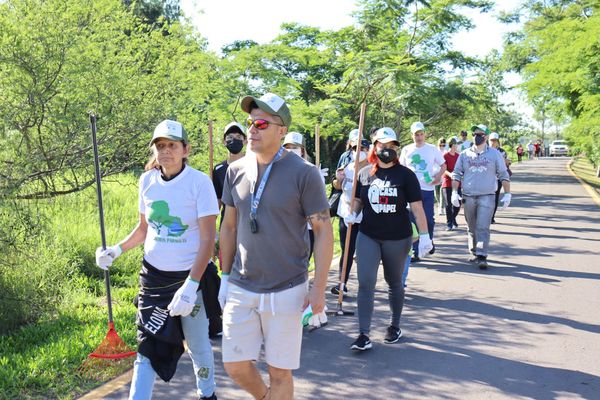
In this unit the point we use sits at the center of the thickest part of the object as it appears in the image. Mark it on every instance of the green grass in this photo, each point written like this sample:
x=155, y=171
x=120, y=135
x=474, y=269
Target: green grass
x=55, y=282
x=584, y=169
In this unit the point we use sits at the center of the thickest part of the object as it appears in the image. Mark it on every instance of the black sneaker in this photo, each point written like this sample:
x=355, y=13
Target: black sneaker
x=449, y=227
x=336, y=289
x=393, y=335
x=432, y=249
x=482, y=262
x=212, y=397
x=455, y=225
x=474, y=259
x=415, y=259
x=362, y=343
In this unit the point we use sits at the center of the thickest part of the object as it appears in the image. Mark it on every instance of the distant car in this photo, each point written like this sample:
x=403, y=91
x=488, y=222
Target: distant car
x=559, y=148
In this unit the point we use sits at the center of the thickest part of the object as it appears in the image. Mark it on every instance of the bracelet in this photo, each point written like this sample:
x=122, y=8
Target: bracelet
x=193, y=280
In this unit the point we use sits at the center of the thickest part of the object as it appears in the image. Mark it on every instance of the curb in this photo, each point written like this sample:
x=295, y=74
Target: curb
x=109, y=387
x=593, y=193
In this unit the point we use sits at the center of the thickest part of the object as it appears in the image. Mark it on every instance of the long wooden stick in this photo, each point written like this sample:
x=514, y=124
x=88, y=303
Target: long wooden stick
x=317, y=146
x=361, y=125
x=210, y=148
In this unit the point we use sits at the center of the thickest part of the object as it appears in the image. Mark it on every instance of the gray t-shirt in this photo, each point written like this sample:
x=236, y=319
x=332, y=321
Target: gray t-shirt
x=276, y=257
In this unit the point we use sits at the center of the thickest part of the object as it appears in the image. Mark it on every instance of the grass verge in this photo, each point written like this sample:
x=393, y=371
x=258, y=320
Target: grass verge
x=584, y=169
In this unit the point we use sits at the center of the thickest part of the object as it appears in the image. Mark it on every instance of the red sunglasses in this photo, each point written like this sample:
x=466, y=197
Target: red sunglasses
x=260, y=124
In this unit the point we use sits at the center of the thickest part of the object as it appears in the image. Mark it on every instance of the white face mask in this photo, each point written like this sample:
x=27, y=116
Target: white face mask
x=297, y=151
x=362, y=156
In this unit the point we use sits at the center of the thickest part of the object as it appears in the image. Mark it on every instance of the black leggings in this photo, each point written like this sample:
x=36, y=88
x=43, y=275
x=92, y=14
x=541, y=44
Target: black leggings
x=451, y=211
x=343, y=229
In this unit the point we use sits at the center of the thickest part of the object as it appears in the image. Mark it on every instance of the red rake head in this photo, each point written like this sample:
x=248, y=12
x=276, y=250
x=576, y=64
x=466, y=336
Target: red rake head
x=112, y=347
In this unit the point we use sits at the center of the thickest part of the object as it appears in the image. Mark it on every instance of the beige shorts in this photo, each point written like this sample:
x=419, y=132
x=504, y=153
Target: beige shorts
x=273, y=319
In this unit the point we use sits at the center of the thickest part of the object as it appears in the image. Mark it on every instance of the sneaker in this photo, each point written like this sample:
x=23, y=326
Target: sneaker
x=455, y=225
x=212, y=397
x=335, y=289
x=393, y=335
x=415, y=259
x=482, y=262
x=362, y=343
x=474, y=259
x=449, y=227
x=432, y=249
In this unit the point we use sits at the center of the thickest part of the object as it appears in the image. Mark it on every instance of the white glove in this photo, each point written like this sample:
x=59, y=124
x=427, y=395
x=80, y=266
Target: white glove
x=314, y=321
x=505, y=200
x=223, y=290
x=105, y=257
x=351, y=219
x=425, y=244
x=324, y=172
x=455, y=199
x=184, y=300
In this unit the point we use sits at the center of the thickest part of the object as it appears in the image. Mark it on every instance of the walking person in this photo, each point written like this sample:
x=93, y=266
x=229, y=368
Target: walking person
x=439, y=193
x=269, y=196
x=451, y=156
x=495, y=143
x=477, y=171
x=384, y=188
x=343, y=182
x=520, y=152
x=428, y=164
x=178, y=209
x=234, y=139
x=530, y=149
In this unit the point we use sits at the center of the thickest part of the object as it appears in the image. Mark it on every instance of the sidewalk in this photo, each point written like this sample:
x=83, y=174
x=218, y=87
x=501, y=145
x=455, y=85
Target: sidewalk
x=526, y=328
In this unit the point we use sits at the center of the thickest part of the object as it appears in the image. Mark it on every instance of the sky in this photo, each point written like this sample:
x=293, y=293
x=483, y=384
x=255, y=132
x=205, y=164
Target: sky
x=224, y=21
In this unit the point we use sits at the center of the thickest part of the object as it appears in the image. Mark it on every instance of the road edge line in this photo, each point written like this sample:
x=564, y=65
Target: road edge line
x=594, y=195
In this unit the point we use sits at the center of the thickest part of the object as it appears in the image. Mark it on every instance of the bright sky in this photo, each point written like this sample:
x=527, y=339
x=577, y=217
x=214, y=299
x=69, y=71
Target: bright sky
x=224, y=21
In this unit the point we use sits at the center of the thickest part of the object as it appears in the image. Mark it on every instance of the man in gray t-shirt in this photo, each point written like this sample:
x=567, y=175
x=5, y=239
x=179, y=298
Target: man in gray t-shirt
x=269, y=195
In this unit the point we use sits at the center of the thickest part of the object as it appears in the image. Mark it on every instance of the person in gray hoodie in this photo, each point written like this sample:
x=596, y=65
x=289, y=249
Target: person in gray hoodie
x=477, y=171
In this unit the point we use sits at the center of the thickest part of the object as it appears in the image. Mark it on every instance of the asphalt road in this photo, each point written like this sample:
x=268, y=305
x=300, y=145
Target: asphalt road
x=526, y=328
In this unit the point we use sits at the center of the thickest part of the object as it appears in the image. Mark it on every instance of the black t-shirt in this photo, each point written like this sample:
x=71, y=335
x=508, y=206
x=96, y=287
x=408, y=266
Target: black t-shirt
x=384, y=197
x=218, y=177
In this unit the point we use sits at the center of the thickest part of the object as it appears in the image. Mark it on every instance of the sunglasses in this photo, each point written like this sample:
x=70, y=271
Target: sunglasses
x=260, y=124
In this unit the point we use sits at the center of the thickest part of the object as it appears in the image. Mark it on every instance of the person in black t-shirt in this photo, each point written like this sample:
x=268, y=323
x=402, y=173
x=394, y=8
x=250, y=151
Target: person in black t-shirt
x=234, y=138
x=384, y=188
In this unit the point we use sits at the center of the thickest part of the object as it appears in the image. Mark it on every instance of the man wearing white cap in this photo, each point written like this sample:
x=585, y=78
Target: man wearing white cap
x=269, y=195
x=428, y=163
x=477, y=171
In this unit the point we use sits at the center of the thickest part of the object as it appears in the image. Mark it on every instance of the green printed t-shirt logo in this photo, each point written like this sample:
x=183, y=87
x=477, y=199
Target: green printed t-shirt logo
x=159, y=218
x=420, y=167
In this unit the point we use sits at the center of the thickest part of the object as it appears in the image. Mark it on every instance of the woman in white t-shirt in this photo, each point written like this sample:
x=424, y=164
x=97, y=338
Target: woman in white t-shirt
x=343, y=181
x=178, y=209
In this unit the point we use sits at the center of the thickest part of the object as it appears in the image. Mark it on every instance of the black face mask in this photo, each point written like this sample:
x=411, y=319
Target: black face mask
x=387, y=155
x=479, y=139
x=234, y=145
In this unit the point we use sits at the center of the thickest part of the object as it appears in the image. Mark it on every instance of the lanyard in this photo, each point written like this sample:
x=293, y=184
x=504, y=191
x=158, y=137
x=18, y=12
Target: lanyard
x=261, y=187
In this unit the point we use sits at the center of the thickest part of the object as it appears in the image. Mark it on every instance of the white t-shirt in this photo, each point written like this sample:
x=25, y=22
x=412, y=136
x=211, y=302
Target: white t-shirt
x=343, y=209
x=172, y=209
x=424, y=161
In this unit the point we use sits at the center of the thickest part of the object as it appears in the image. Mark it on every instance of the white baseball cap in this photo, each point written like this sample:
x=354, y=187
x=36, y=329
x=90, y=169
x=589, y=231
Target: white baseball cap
x=294, y=138
x=385, y=135
x=495, y=136
x=233, y=126
x=171, y=130
x=417, y=126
